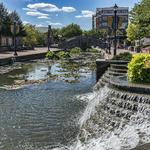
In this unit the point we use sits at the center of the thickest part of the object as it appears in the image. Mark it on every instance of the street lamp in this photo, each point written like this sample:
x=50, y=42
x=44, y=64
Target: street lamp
x=115, y=28
x=109, y=44
x=15, y=49
x=14, y=32
x=49, y=36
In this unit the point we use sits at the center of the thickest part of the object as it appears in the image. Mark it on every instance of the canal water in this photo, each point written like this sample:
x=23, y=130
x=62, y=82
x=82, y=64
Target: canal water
x=48, y=105
x=44, y=115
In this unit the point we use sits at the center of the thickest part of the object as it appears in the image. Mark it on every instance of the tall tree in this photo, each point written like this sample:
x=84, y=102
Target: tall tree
x=14, y=17
x=132, y=32
x=71, y=31
x=33, y=36
x=30, y=39
x=140, y=16
x=3, y=19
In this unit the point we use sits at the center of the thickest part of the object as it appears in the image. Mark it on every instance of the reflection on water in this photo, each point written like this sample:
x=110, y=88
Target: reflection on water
x=68, y=70
x=43, y=116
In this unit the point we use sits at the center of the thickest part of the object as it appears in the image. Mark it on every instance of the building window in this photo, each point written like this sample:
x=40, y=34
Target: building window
x=104, y=18
x=104, y=24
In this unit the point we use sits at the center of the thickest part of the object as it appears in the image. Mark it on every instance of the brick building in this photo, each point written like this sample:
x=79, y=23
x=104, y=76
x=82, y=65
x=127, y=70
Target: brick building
x=103, y=19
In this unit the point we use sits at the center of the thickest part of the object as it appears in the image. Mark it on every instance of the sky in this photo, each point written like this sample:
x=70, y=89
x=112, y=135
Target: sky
x=59, y=13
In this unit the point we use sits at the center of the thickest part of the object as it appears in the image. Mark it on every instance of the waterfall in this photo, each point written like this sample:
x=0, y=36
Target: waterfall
x=94, y=100
x=114, y=120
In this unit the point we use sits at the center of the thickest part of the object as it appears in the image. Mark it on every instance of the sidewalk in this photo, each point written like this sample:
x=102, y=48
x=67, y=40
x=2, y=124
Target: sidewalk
x=110, y=56
x=4, y=55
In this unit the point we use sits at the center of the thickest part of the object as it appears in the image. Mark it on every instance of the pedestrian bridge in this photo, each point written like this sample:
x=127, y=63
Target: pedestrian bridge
x=83, y=42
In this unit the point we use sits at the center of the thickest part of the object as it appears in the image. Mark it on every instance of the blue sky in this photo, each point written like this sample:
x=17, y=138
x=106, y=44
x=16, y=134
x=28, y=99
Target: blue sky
x=59, y=13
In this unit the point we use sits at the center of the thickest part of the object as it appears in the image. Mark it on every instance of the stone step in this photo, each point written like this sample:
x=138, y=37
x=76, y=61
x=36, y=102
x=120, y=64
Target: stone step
x=117, y=66
x=118, y=70
x=116, y=73
x=128, y=97
x=119, y=103
x=115, y=111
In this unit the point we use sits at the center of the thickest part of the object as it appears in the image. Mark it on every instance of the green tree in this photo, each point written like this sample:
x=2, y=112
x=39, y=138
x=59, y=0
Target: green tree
x=98, y=33
x=56, y=32
x=3, y=20
x=71, y=31
x=34, y=37
x=7, y=19
x=30, y=39
x=140, y=16
x=132, y=32
x=41, y=38
x=14, y=17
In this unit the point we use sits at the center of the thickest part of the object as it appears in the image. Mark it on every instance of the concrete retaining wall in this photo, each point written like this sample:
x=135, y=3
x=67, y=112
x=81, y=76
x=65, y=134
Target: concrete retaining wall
x=7, y=61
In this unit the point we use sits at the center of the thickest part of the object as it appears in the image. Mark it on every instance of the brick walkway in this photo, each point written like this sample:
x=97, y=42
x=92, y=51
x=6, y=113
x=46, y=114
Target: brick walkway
x=8, y=54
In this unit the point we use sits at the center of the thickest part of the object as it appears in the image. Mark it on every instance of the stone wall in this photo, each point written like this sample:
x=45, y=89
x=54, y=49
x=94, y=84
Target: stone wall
x=83, y=42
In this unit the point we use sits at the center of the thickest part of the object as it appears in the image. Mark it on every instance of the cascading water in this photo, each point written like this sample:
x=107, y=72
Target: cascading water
x=113, y=120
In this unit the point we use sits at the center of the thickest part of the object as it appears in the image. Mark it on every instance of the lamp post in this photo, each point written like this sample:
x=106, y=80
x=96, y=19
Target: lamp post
x=14, y=38
x=49, y=36
x=115, y=28
x=109, y=44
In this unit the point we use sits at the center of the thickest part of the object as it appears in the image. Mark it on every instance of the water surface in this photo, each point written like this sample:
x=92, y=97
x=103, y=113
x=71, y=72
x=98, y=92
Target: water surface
x=45, y=115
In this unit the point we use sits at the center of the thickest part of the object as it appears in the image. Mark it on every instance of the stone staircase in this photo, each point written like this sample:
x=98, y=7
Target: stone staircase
x=113, y=70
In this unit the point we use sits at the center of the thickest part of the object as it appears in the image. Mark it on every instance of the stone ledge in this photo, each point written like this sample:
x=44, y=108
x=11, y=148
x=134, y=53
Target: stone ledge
x=120, y=83
x=143, y=147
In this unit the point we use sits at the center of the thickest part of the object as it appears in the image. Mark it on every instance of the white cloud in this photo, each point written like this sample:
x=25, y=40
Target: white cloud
x=26, y=22
x=43, y=17
x=36, y=14
x=68, y=9
x=49, y=7
x=54, y=23
x=44, y=6
x=29, y=9
x=85, y=14
x=39, y=25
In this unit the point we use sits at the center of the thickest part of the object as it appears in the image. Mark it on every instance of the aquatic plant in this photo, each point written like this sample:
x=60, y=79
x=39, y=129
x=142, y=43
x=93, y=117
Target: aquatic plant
x=63, y=54
x=92, y=50
x=75, y=51
x=139, y=68
x=50, y=55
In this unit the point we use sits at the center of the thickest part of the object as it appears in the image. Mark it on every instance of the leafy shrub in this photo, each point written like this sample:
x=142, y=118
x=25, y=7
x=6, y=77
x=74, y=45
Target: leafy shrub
x=93, y=50
x=75, y=51
x=50, y=55
x=123, y=56
x=63, y=54
x=67, y=55
x=139, y=68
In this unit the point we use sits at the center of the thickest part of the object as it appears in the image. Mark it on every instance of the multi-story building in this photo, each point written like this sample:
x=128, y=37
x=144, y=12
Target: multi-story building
x=103, y=19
